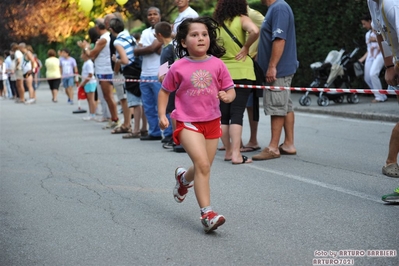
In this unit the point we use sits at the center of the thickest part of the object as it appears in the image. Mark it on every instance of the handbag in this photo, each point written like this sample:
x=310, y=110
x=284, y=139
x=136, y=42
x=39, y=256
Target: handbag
x=132, y=72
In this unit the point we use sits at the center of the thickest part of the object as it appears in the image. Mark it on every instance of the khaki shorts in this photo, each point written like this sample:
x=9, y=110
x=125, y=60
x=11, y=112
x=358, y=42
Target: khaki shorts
x=119, y=86
x=278, y=103
x=19, y=74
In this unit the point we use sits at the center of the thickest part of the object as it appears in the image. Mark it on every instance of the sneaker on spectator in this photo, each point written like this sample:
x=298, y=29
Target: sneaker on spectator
x=30, y=101
x=392, y=198
x=211, y=221
x=113, y=124
x=168, y=145
x=101, y=119
x=180, y=190
x=88, y=118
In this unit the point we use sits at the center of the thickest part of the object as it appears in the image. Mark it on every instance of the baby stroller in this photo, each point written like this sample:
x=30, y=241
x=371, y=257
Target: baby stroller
x=337, y=71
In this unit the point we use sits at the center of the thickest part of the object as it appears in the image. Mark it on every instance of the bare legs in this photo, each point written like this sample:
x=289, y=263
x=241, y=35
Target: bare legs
x=107, y=88
x=202, y=153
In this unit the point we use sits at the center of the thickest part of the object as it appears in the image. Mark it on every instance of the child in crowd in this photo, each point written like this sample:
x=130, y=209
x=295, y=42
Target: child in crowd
x=163, y=33
x=89, y=84
x=200, y=80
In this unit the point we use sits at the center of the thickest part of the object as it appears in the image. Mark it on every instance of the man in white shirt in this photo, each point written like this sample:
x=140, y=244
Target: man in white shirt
x=185, y=11
x=385, y=20
x=150, y=49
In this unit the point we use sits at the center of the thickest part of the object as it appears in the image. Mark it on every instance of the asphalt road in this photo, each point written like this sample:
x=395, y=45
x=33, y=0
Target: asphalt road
x=73, y=194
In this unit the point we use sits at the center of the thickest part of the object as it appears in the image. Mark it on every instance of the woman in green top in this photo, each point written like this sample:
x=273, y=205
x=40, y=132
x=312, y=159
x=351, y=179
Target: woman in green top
x=233, y=14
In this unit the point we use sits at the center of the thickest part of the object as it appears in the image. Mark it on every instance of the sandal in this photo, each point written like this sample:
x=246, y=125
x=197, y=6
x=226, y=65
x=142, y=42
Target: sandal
x=391, y=170
x=144, y=133
x=121, y=129
x=131, y=135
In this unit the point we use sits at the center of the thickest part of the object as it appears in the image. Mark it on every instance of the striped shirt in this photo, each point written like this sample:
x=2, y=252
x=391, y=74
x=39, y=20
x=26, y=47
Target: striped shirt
x=126, y=41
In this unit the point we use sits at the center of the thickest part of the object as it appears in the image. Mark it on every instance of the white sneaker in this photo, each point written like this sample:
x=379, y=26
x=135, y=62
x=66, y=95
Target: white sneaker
x=30, y=101
x=88, y=118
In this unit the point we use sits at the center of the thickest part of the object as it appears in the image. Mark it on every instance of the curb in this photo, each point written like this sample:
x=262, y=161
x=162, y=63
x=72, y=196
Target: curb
x=347, y=114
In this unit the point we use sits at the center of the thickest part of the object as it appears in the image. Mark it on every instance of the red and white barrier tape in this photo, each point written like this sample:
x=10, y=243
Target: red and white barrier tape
x=304, y=89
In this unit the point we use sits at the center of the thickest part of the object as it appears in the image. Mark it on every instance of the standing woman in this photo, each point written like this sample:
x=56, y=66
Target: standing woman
x=53, y=73
x=234, y=15
x=373, y=61
x=19, y=78
x=28, y=64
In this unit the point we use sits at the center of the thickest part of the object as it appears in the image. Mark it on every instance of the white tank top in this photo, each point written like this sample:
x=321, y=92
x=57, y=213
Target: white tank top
x=102, y=63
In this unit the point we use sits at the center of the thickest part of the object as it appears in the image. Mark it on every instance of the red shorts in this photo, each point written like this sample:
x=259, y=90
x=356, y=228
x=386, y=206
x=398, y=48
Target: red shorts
x=210, y=129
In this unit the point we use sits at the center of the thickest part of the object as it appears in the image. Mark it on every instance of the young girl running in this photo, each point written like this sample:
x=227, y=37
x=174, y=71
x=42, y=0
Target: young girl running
x=200, y=80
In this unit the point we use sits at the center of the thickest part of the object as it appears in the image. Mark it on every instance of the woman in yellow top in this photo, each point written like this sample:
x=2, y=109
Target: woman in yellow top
x=53, y=73
x=234, y=15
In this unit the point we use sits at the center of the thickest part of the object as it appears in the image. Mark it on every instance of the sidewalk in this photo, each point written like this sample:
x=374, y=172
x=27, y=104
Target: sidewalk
x=387, y=111
x=365, y=109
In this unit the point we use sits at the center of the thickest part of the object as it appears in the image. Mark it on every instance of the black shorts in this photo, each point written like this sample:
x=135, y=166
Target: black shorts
x=54, y=83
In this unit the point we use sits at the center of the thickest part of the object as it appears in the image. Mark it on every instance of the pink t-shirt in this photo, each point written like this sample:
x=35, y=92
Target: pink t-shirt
x=197, y=84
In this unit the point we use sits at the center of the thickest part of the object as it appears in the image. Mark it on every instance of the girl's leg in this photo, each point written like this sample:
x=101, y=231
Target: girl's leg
x=202, y=152
x=29, y=84
x=92, y=105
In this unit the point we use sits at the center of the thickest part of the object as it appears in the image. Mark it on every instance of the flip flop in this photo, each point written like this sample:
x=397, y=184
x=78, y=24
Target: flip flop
x=221, y=149
x=284, y=152
x=249, y=149
x=244, y=160
x=227, y=160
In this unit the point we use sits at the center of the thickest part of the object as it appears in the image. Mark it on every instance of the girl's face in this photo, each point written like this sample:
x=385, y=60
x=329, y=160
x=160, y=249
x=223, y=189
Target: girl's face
x=197, y=41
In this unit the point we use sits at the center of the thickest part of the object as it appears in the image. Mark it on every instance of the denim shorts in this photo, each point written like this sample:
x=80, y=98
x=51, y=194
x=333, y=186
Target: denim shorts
x=133, y=100
x=276, y=102
x=68, y=82
x=105, y=76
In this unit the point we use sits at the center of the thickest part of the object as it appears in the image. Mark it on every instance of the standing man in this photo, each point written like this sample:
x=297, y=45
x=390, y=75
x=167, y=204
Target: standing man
x=68, y=69
x=384, y=15
x=185, y=11
x=150, y=49
x=278, y=58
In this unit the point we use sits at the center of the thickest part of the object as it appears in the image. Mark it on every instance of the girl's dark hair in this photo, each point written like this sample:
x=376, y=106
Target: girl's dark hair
x=215, y=48
x=227, y=10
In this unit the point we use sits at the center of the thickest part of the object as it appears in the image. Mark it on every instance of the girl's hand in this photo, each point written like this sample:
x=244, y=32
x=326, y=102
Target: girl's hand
x=161, y=78
x=226, y=97
x=163, y=122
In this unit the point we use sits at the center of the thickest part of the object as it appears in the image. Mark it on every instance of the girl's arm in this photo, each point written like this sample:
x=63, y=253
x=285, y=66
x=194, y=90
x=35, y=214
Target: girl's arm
x=227, y=96
x=163, y=97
